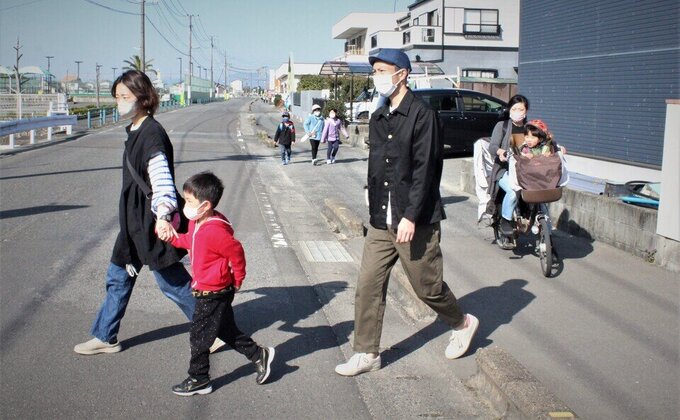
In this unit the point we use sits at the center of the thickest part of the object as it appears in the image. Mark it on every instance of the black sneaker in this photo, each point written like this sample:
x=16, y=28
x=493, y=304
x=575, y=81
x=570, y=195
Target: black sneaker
x=191, y=386
x=506, y=227
x=264, y=363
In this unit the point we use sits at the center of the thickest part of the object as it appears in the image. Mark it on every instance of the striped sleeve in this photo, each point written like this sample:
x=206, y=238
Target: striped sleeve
x=162, y=186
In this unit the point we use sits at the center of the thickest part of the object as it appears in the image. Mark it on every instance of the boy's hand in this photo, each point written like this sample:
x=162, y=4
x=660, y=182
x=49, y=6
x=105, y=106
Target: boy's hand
x=165, y=231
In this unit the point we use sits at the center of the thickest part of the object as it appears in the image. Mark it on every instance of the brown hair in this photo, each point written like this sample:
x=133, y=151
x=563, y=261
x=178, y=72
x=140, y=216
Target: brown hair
x=140, y=86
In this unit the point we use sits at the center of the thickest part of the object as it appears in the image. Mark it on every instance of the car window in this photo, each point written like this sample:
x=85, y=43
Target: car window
x=440, y=102
x=448, y=103
x=476, y=103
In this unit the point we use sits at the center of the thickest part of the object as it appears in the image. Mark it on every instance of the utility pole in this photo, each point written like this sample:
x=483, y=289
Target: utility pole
x=16, y=72
x=212, y=85
x=114, y=73
x=200, y=73
x=78, y=74
x=49, y=75
x=142, y=52
x=226, y=70
x=191, y=69
x=97, y=66
x=180, y=69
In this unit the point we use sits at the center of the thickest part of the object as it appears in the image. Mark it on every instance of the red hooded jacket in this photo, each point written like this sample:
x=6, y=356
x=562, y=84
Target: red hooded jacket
x=217, y=258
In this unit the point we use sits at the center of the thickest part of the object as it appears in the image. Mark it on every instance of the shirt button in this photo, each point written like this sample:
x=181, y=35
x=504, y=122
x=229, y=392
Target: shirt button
x=386, y=183
x=389, y=136
x=383, y=207
x=387, y=160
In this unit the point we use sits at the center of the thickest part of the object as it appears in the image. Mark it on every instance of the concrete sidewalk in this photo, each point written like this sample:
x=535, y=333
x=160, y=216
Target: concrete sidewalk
x=501, y=381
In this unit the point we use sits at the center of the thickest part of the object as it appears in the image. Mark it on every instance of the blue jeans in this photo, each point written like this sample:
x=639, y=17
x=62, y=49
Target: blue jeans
x=285, y=152
x=510, y=199
x=174, y=281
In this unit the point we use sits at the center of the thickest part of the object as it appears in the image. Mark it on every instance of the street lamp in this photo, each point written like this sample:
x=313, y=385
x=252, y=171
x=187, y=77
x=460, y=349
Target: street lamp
x=78, y=74
x=49, y=75
x=114, y=72
x=199, y=71
x=180, y=69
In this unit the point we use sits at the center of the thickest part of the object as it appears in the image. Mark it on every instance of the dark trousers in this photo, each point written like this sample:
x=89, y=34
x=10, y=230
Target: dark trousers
x=333, y=147
x=315, y=147
x=214, y=317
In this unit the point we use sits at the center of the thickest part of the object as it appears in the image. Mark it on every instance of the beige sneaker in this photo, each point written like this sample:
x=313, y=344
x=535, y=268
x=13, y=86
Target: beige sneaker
x=359, y=363
x=460, y=340
x=96, y=346
x=216, y=345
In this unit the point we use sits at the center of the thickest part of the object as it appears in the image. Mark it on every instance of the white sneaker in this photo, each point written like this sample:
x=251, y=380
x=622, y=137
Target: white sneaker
x=460, y=340
x=328, y=161
x=216, y=345
x=359, y=363
x=96, y=346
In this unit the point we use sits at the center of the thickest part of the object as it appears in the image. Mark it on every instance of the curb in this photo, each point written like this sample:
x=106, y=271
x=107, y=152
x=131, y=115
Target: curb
x=509, y=386
x=344, y=221
x=513, y=390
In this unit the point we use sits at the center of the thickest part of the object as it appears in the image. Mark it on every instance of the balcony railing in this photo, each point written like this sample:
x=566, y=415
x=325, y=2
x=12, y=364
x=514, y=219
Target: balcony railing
x=354, y=50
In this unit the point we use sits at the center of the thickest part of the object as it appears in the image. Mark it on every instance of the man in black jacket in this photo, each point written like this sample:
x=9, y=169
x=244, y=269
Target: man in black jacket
x=404, y=172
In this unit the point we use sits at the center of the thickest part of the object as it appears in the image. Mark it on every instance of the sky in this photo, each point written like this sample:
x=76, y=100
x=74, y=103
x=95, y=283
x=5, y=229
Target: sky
x=254, y=33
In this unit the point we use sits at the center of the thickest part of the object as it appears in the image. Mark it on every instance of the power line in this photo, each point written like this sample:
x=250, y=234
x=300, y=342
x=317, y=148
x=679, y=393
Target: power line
x=112, y=9
x=174, y=15
x=162, y=16
x=163, y=36
x=19, y=5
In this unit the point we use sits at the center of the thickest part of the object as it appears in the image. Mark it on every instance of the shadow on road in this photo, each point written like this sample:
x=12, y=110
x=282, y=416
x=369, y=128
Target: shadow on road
x=493, y=305
x=31, y=211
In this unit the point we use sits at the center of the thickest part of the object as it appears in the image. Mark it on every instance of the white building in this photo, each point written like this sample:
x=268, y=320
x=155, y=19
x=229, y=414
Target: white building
x=481, y=37
x=281, y=83
x=236, y=86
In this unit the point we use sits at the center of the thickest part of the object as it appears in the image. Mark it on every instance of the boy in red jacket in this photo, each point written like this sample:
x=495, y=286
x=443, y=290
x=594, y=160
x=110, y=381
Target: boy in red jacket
x=218, y=267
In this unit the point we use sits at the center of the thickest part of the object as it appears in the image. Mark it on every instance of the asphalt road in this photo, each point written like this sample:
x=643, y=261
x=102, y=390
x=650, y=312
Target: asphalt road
x=58, y=224
x=603, y=335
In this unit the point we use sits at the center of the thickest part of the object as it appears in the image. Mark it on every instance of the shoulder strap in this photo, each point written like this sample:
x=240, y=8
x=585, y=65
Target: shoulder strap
x=138, y=179
x=505, y=129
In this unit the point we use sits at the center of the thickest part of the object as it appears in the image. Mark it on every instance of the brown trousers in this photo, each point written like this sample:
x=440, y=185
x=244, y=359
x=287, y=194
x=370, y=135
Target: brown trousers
x=422, y=261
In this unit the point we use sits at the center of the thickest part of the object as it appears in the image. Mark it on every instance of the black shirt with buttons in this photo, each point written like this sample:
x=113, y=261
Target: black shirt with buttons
x=405, y=164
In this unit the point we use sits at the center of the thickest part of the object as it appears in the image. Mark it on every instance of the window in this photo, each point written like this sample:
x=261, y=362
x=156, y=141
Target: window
x=481, y=22
x=441, y=102
x=406, y=37
x=428, y=34
x=416, y=21
x=478, y=103
x=488, y=73
x=374, y=41
x=433, y=18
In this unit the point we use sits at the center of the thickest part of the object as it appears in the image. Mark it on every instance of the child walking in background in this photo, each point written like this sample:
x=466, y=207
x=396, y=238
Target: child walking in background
x=331, y=134
x=314, y=127
x=285, y=137
x=218, y=267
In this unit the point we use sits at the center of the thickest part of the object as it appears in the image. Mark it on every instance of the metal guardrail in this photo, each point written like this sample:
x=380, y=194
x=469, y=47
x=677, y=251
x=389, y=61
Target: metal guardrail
x=10, y=128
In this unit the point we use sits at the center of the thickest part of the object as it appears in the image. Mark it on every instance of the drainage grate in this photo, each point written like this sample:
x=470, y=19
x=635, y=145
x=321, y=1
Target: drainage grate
x=325, y=251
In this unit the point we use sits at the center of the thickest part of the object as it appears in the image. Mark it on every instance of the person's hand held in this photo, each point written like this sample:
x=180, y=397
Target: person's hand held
x=405, y=231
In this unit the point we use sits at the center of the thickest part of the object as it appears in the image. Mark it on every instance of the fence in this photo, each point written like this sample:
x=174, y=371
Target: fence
x=28, y=105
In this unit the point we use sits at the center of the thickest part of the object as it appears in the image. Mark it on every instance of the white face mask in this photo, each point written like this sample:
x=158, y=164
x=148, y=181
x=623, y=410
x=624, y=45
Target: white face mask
x=317, y=113
x=518, y=116
x=125, y=107
x=192, y=212
x=331, y=115
x=383, y=84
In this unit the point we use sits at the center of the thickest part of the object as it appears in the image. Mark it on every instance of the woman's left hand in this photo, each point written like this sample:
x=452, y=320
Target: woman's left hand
x=165, y=231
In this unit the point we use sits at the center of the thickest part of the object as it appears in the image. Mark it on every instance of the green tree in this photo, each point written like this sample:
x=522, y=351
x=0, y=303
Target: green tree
x=135, y=63
x=313, y=82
